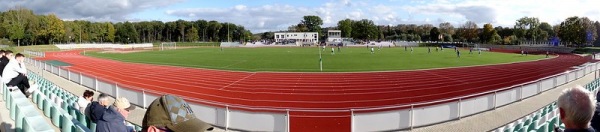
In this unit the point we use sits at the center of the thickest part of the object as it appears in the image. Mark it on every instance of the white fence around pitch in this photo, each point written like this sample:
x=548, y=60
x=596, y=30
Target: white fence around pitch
x=368, y=119
x=103, y=46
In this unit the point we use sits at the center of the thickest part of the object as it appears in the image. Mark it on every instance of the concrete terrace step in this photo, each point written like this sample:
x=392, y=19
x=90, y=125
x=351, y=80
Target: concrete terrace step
x=9, y=125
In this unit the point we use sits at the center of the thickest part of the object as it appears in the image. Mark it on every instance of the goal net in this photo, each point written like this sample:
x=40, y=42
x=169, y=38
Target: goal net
x=168, y=45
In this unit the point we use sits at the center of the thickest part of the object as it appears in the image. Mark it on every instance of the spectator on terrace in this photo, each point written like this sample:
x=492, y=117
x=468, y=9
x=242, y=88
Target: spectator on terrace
x=123, y=106
x=84, y=100
x=15, y=73
x=106, y=117
x=576, y=109
x=4, y=60
x=172, y=114
x=596, y=118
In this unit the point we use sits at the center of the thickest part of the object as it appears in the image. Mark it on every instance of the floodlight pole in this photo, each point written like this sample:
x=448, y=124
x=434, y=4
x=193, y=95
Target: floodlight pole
x=320, y=58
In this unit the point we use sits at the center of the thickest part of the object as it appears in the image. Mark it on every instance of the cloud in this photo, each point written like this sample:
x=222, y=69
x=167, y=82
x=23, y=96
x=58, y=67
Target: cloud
x=274, y=17
x=94, y=10
x=475, y=13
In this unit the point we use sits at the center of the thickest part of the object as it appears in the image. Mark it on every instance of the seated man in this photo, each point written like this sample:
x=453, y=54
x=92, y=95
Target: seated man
x=172, y=114
x=106, y=117
x=4, y=59
x=576, y=109
x=15, y=74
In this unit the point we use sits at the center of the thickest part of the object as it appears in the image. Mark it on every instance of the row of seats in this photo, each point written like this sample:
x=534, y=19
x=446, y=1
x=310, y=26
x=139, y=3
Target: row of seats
x=543, y=120
x=26, y=118
x=54, y=107
x=64, y=103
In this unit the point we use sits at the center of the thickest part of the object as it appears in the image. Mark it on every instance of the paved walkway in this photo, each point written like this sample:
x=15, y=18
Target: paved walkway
x=136, y=116
x=8, y=125
x=493, y=119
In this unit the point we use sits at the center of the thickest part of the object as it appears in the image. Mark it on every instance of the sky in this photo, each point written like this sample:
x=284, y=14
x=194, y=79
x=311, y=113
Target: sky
x=274, y=15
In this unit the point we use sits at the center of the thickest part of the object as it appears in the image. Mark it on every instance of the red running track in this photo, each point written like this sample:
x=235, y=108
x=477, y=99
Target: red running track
x=317, y=101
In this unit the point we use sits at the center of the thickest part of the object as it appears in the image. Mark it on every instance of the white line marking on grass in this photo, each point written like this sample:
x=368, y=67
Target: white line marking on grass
x=237, y=81
x=240, y=62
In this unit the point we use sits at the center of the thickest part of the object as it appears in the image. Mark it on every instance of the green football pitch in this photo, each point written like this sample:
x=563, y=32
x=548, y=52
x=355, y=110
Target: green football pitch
x=307, y=59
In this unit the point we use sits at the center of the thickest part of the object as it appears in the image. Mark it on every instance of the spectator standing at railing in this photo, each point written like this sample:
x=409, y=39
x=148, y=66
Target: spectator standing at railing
x=4, y=60
x=576, y=109
x=172, y=114
x=84, y=100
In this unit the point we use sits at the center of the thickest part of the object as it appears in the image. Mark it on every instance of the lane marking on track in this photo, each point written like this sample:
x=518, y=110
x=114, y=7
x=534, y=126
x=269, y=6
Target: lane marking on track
x=237, y=81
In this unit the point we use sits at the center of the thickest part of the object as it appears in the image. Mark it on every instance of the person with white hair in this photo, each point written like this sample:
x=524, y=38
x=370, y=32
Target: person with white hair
x=576, y=108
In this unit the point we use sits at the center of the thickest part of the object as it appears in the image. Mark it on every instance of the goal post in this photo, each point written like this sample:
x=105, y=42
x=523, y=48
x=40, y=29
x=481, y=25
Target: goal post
x=168, y=45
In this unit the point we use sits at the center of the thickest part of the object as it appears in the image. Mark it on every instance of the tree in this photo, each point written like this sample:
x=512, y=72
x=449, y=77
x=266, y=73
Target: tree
x=312, y=23
x=488, y=34
x=192, y=34
x=597, y=42
x=577, y=31
x=126, y=33
x=14, y=23
x=526, y=28
x=110, y=32
x=434, y=34
x=346, y=27
x=214, y=28
x=364, y=29
x=267, y=35
x=469, y=31
x=54, y=28
x=544, y=26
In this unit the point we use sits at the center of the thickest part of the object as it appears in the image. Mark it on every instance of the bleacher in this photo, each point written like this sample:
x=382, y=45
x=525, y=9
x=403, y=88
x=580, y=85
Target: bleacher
x=55, y=103
x=23, y=113
x=544, y=119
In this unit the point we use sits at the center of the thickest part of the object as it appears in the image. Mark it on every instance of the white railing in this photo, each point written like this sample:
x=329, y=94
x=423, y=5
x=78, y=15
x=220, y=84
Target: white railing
x=385, y=118
x=34, y=53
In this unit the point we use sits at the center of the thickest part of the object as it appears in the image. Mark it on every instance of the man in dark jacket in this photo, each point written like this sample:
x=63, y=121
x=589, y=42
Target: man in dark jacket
x=4, y=59
x=106, y=117
x=596, y=118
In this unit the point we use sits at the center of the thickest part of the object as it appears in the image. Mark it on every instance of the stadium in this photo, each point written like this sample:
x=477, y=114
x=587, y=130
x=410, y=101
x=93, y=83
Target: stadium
x=212, y=76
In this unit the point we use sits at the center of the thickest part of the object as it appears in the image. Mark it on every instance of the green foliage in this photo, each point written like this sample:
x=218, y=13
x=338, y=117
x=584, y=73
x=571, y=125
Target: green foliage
x=306, y=59
x=346, y=27
x=312, y=23
x=364, y=29
x=575, y=31
x=192, y=35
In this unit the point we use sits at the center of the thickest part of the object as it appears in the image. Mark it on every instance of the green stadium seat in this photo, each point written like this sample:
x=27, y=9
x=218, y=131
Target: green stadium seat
x=16, y=98
x=55, y=116
x=532, y=126
x=67, y=124
x=23, y=110
x=518, y=126
x=36, y=124
x=47, y=106
x=527, y=122
x=93, y=126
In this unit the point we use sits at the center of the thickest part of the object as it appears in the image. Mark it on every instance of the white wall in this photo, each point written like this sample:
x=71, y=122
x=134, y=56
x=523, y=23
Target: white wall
x=103, y=46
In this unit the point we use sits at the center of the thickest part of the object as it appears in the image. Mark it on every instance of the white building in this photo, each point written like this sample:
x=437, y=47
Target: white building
x=297, y=37
x=334, y=36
